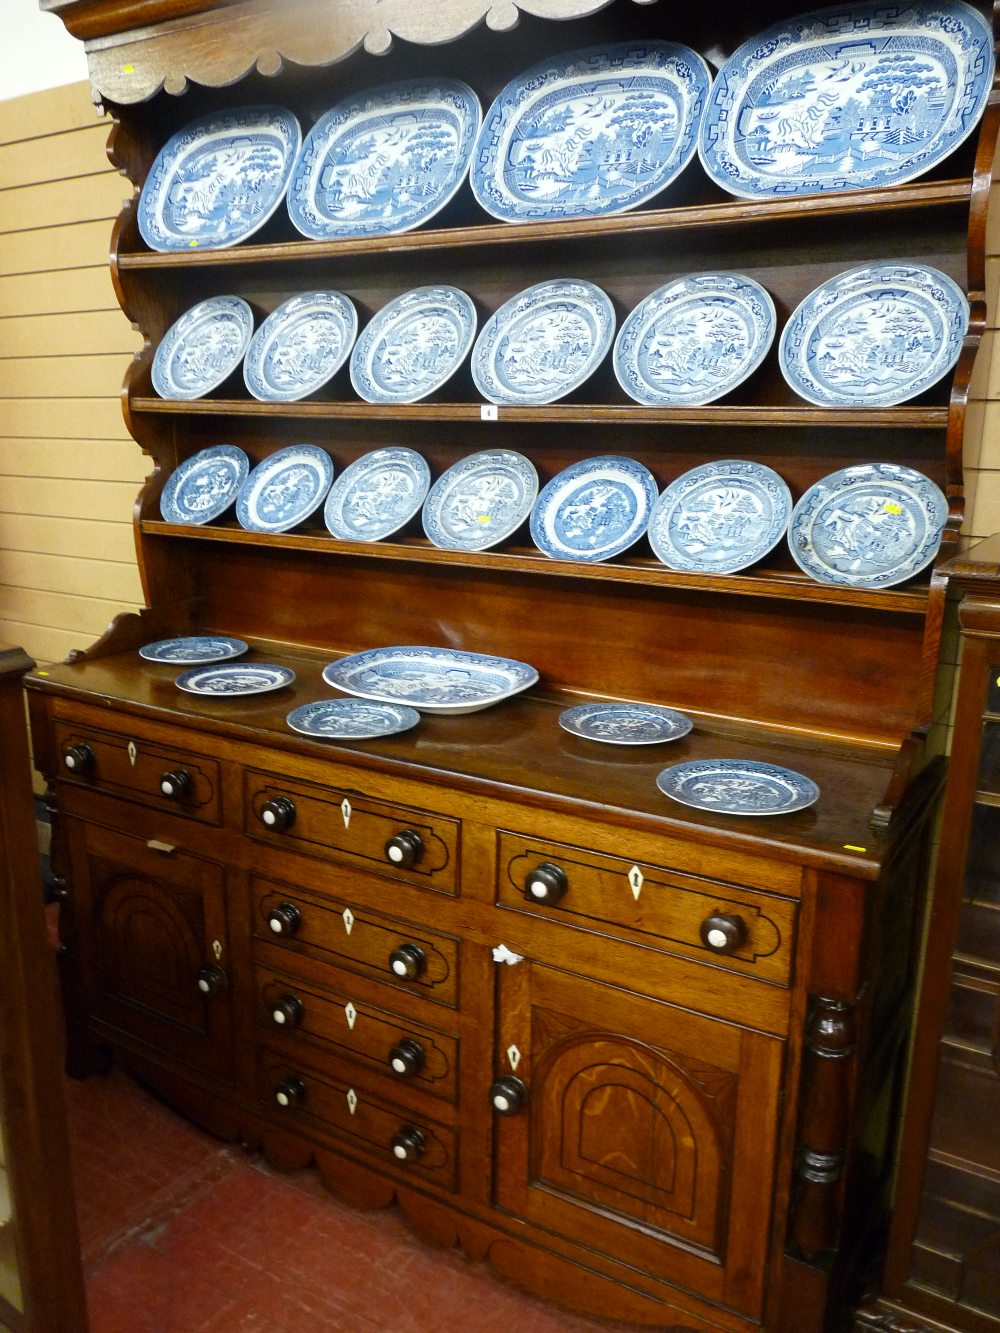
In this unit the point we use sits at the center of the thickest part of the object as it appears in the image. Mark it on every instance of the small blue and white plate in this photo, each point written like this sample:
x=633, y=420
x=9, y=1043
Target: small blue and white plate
x=351, y=719
x=413, y=345
x=385, y=160
x=720, y=517
x=194, y=649
x=202, y=348
x=283, y=490
x=874, y=336
x=377, y=494
x=433, y=680
x=300, y=346
x=738, y=787
x=219, y=179
x=625, y=723
x=869, y=526
x=204, y=486
x=235, y=678
x=594, y=509
x=590, y=132
x=543, y=343
x=694, y=340
x=480, y=500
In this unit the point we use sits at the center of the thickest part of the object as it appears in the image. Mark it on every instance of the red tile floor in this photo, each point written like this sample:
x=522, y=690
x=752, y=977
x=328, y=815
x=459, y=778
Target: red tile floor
x=183, y=1234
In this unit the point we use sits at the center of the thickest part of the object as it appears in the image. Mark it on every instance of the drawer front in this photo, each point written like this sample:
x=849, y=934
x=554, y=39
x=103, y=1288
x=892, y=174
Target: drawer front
x=736, y=927
x=128, y=766
x=416, y=845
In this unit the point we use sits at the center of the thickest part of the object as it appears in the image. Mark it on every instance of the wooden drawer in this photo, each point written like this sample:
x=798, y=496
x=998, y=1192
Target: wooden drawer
x=416, y=845
x=755, y=934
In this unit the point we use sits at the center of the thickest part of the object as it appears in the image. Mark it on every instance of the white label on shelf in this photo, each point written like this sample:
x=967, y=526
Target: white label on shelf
x=489, y=412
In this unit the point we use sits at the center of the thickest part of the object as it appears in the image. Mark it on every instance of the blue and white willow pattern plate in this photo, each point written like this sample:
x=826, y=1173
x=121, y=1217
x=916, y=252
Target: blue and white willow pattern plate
x=376, y=494
x=625, y=723
x=194, y=649
x=859, y=95
x=434, y=680
x=869, y=526
x=236, y=678
x=202, y=348
x=543, y=343
x=351, y=719
x=300, y=346
x=204, y=486
x=285, y=489
x=413, y=345
x=720, y=517
x=590, y=132
x=738, y=787
x=219, y=179
x=694, y=339
x=874, y=336
x=480, y=500
x=594, y=509
x=385, y=160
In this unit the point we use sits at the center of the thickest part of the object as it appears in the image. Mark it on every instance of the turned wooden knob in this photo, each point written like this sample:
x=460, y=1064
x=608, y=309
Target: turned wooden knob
x=175, y=784
x=723, y=933
x=408, y=1144
x=79, y=758
x=546, y=883
x=284, y=919
x=290, y=1092
x=408, y=961
x=508, y=1095
x=407, y=1058
x=278, y=813
x=404, y=848
x=212, y=979
x=286, y=1011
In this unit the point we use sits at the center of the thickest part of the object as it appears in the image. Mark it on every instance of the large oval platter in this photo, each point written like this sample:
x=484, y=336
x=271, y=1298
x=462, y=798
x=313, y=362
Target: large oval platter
x=283, y=490
x=300, y=346
x=594, y=509
x=433, y=680
x=590, y=132
x=385, y=160
x=480, y=500
x=376, y=494
x=857, y=96
x=219, y=179
x=720, y=517
x=202, y=487
x=413, y=345
x=202, y=348
x=738, y=787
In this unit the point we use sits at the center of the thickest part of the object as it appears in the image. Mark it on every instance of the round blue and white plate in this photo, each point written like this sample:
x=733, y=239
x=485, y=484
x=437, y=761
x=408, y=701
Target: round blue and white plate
x=738, y=787
x=543, y=343
x=283, y=490
x=385, y=160
x=413, y=345
x=720, y=517
x=300, y=346
x=869, y=526
x=193, y=650
x=219, y=179
x=351, y=719
x=594, y=509
x=694, y=340
x=480, y=500
x=433, y=680
x=874, y=336
x=202, y=348
x=377, y=494
x=235, y=678
x=589, y=133
x=625, y=723
x=204, y=486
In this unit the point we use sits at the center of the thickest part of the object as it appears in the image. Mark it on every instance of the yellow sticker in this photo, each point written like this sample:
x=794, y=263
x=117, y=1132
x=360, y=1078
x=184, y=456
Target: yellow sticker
x=483, y=518
x=891, y=507
x=192, y=244
x=849, y=847
x=128, y=69
x=43, y=673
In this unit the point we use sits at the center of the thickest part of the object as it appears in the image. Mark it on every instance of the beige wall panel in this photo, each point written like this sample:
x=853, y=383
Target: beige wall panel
x=81, y=537
x=61, y=335
x=74, y=245
x=112, y=460
x=84, y=615
x=50, y=497
x=63, y=376
x=62, y=418
x=53, y=111
x=54, y=293
x=77, y=153
x=983, y=514
x=69, y=573
x=80, y=199
x=42, y=642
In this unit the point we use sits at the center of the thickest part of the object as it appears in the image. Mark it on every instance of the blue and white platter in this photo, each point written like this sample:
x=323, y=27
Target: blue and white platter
x=590, y=132
x=694, y=339
x=480, y=500
x=543, y=343
x=384, y=160
x=235, y=678
x=300, y=346
x=202, y=348
x=285, y=489
x=869, y=526
x=194, y=649
x=738, y=787
x=720, y=517
x=204, y=486
x=219, y=179
x=625, y=723
x=594, y=509
x=855, y=96
x=376, y=494
x=874, y=336
x=433, y=680
x=413, y=345
x=351, y=719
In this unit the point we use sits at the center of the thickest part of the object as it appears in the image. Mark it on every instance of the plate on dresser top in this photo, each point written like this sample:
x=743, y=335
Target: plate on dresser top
x=300, y=346
x=377, y=494
x=433, y=680
x=738, y=787
x=594, y=509
x=219, y=179
x=385, y=160
x=194, y=649
x=413, y=345
x=202, y=348
x=591, y=132
x=204, y=486
x=235, y=678
x=858, y=96
x=625, y=723
x=480, y=500
x=351, y=719
x=283, y=490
